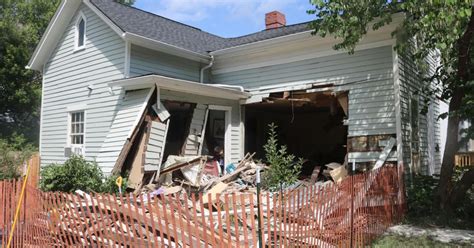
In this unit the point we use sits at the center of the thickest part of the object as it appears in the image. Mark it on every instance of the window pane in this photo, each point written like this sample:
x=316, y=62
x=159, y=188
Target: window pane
x=82, y=26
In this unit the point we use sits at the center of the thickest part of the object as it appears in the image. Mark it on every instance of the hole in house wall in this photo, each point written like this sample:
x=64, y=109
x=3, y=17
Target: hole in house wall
x=181, y=114
x=309, y=124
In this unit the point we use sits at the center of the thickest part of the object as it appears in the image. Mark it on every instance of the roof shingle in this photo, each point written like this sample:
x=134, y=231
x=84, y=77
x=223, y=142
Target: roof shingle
x=162, y=29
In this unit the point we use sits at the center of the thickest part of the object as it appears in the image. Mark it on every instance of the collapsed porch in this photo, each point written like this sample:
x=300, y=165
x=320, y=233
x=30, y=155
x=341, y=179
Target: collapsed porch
x=187, y=123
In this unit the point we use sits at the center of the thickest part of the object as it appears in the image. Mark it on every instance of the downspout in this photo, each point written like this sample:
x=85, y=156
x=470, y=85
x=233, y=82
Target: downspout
x=201, y=75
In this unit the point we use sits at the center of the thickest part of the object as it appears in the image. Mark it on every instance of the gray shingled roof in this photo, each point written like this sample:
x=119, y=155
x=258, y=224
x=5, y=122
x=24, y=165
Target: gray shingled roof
x=159, y=28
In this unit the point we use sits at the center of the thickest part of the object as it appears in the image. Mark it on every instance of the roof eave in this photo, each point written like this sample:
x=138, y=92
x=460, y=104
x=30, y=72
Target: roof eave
x=180, y=85
x=397, y=19
x=54, y=30
x=262, y=43
x=165, y=47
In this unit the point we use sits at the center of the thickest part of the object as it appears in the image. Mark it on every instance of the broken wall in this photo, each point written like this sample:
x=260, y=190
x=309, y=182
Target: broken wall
x=367, y=75
x=236, y=151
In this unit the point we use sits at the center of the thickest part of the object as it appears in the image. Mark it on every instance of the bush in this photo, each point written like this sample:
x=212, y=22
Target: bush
x=12, y=156
x=76, y=173
x=109, y=185
x=283, y=169
x=420, y=196
x=423, y=210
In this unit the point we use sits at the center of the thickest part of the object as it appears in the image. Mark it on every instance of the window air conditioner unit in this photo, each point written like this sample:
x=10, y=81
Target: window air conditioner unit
x=69, y=151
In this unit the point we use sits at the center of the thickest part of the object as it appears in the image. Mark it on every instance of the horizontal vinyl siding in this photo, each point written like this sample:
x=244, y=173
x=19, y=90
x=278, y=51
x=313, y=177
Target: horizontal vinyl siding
x=371, y=64
x=412, y=85
x=236, y=139
x=130, y=109
x=68, y=74
x=144, y=61
x=367, y=75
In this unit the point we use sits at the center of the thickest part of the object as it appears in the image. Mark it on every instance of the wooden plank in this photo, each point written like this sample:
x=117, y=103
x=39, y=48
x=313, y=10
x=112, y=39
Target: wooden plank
x=385, y=153
x=136, y=173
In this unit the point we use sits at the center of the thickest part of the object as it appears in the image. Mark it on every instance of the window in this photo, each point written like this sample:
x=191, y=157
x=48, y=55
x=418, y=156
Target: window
x=80, y=32
x=76, y=128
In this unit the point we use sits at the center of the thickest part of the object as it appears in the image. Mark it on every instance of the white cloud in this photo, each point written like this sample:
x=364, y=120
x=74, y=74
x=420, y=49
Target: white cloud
x=198, y=10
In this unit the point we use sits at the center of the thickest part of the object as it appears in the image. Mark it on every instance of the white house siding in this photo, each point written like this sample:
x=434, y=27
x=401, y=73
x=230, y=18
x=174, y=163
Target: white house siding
x=129, y=110
x=235, y=132
x=144, y=61
x=67, y=75
x=411, y=84
x=366, y=74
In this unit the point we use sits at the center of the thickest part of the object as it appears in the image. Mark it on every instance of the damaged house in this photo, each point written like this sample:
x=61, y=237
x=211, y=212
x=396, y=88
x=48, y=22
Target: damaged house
x=130, y=90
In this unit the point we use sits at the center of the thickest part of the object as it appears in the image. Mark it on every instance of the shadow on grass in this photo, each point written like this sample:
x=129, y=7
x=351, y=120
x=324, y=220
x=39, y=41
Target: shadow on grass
x=402, y=241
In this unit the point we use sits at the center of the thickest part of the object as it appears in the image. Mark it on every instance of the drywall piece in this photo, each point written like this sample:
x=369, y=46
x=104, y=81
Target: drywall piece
x=217, y=189
x=193, y=173
x=338, y=174
x=193, y=144
x=384, y=155
x=161, y=111
x=155, y=146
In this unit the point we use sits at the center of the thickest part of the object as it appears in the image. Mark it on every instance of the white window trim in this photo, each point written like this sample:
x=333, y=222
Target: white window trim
x=227, y=135
x=68, y=138
x=80, y=17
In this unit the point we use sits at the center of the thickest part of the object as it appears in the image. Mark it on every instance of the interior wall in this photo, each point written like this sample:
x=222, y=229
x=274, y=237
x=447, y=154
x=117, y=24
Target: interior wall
x=314, y=134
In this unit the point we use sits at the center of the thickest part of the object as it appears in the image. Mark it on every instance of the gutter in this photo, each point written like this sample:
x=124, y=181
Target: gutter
x=201, y=74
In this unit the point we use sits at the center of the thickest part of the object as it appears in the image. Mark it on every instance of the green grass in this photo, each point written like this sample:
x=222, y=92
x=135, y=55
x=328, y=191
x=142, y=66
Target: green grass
x=387, y=241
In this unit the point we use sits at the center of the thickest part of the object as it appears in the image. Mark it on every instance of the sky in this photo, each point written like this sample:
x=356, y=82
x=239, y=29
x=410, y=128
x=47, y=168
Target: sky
x=227, y=18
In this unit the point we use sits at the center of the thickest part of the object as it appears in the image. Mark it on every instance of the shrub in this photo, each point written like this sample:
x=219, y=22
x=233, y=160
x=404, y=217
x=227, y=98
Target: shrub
x=12, y=156
x=76, y=173
x=420, y=196
x=109, y=185
x=283, y=169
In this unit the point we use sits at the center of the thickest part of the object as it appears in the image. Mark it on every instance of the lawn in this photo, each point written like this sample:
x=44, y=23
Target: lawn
x=401, y=241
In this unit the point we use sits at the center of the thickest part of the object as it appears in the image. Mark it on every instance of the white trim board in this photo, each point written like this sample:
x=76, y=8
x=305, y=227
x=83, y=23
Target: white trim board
x=398, y=111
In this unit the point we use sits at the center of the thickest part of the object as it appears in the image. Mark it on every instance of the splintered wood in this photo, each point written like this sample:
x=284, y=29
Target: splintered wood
x=354, y=211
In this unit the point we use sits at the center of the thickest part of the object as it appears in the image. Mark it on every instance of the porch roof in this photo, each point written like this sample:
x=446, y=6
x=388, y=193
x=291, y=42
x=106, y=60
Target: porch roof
x=180, y=85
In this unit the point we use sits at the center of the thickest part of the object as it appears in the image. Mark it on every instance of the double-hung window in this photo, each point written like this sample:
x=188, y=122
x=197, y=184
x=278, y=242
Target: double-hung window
x=76, y=131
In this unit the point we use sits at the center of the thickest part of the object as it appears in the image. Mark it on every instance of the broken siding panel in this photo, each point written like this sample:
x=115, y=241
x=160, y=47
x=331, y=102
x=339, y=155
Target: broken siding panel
x=236, y=138
x=144, y=61
x=66, y=77
x=129, y=111
x=155, y=146
x=196, y=131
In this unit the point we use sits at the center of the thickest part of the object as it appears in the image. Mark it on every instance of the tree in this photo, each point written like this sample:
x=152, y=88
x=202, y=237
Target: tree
x=283, y=169
x=446, y=26
x=21, y=25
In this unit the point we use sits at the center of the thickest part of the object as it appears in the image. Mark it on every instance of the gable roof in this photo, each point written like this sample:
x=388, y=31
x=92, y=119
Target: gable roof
x=158, y=28
x=146, y=29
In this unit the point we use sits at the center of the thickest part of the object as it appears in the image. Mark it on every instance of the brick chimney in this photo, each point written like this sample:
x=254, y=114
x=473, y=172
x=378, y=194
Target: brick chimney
x=274, y=19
